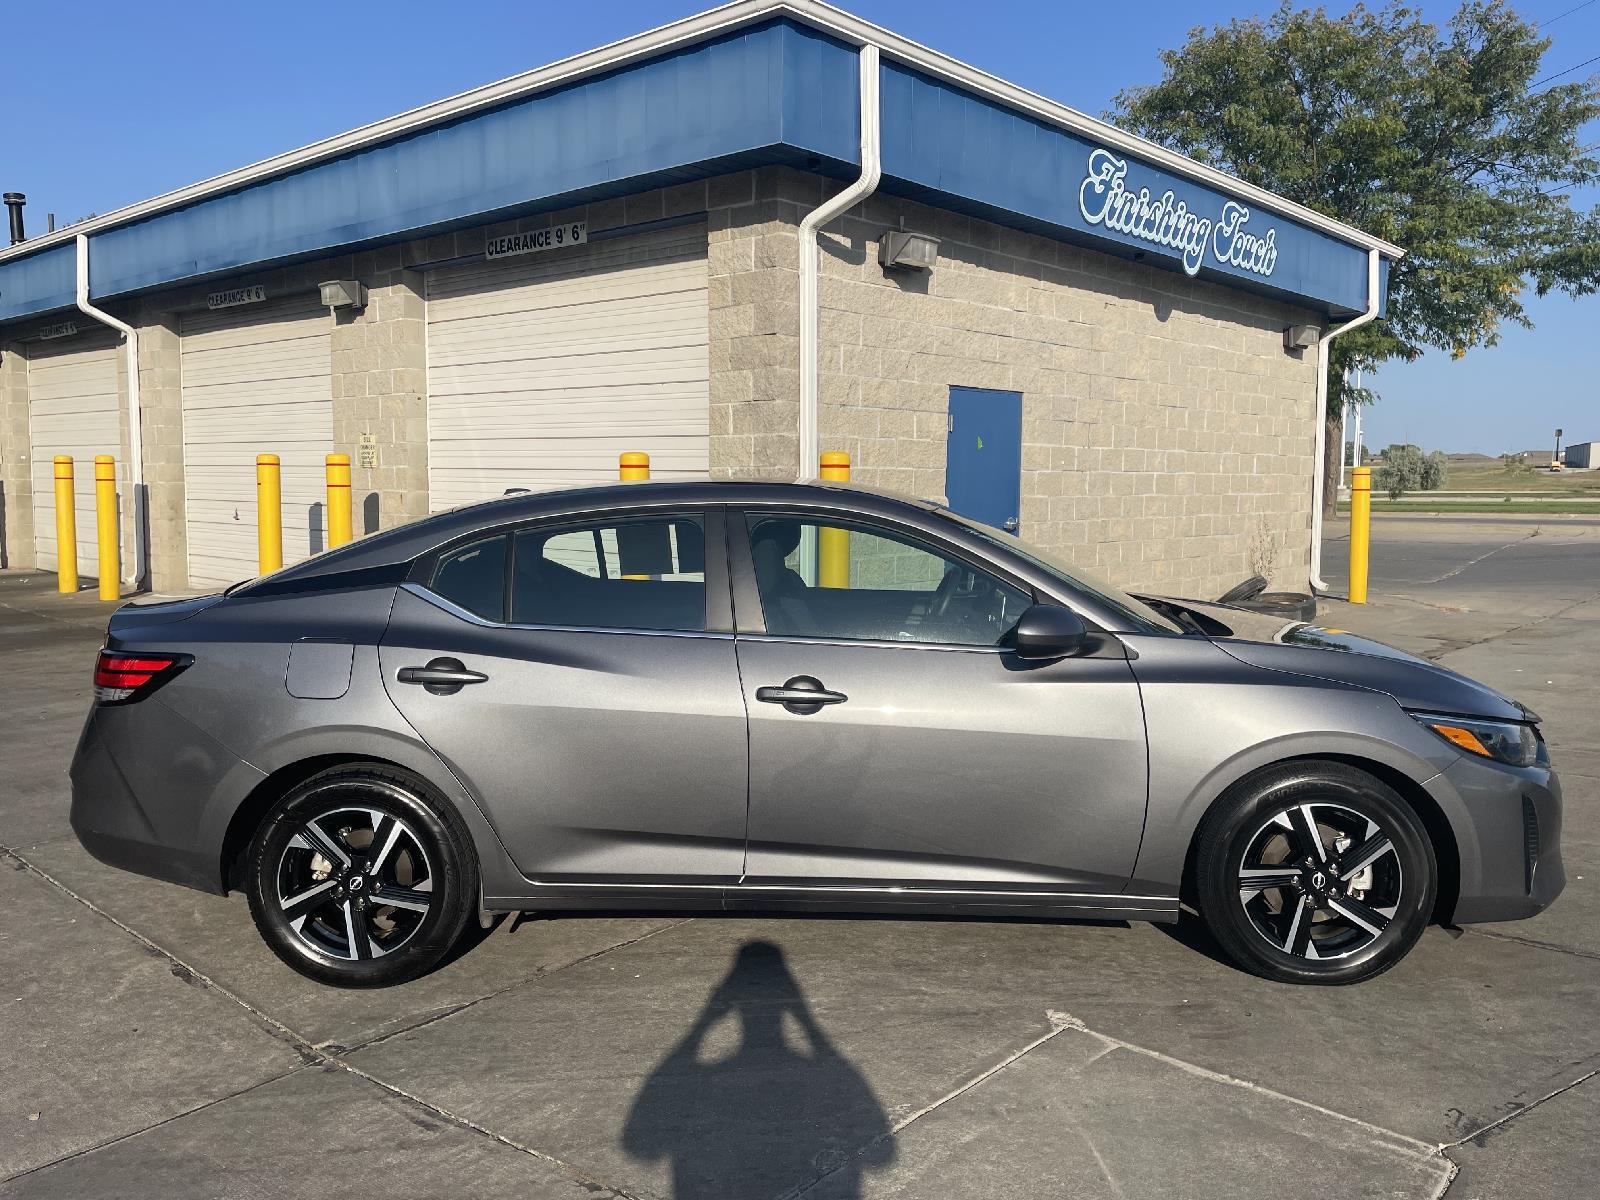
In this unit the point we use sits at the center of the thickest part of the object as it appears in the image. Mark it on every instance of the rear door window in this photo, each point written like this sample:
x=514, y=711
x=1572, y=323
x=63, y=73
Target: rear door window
x=633, y=573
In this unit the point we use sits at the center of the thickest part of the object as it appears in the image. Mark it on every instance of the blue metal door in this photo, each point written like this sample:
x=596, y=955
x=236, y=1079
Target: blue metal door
x=983, y=459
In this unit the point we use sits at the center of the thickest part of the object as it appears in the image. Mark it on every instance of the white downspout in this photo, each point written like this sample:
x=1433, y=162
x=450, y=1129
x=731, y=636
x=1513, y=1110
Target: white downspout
x=871, y=171
x=136, y=564
x=1318, y=484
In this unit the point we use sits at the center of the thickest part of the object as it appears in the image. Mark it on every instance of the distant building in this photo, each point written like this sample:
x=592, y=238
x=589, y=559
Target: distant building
x=1582, y=454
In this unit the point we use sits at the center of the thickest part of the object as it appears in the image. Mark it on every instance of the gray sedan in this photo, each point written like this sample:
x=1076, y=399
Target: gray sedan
x=785, y=697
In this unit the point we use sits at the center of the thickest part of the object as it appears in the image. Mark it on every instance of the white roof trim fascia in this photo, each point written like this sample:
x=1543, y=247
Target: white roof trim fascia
x=692, y=29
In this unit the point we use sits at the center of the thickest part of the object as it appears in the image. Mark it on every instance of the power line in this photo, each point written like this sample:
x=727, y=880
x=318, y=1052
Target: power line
x=1559, y=74
x=1568, y=13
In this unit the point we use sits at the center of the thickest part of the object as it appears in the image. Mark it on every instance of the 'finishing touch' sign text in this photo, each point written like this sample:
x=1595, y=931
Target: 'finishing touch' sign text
x=1106, y=200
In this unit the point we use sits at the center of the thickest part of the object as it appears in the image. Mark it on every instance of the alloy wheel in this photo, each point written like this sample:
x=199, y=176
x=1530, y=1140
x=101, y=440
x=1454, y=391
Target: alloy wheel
x=354, y=883
x=1320, y=881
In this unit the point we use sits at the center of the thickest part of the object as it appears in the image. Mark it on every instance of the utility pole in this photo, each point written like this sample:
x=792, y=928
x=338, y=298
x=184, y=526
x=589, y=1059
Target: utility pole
x=1344, y=422
x=1556, y=461
x=1355, y=447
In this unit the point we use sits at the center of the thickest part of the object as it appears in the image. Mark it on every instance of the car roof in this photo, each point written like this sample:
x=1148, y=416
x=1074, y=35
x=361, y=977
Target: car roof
x=407, y=542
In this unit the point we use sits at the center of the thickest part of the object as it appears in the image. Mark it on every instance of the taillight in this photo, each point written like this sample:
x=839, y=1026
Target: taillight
x=123, y=677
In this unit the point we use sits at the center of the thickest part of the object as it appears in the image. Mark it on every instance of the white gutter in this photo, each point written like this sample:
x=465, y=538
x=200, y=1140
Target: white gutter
x=135, y=566
x=810, y=224
x=1318, y=483
x=704, y=26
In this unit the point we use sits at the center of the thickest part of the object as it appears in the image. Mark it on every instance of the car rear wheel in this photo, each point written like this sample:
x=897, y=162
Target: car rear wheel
x=1315, y=872
x=361, y=877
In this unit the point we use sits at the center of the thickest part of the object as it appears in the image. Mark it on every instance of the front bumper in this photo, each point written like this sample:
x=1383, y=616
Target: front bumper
x=1508, y=833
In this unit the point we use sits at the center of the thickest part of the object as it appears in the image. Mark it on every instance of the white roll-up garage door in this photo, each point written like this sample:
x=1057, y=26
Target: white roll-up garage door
x=256, y=380
x=541, y=370
x=73, y=408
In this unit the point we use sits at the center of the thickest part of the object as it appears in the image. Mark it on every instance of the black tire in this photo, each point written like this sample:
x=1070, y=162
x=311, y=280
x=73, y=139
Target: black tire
x=1352, y=932
x=341, y=931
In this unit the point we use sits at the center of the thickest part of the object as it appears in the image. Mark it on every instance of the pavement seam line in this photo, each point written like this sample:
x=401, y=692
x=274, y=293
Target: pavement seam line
x=1521, y=1112
x=379, y=1039
x=90, y=619
x=140, y=1132
x=308, y=1050
x=1537, y=530
x=1438, y=655
x=565, y=1167
x=1445, y=1184
x=275, y=1026
x=900, y=1125
x=1425, y=1149
x=1496, y=935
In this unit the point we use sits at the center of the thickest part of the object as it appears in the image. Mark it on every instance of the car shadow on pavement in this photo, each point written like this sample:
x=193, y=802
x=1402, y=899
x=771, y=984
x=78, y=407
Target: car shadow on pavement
x=755, y=1099
x=1190, y=931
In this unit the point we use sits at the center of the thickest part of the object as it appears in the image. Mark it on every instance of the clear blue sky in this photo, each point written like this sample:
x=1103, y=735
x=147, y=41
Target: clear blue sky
x=106, y=104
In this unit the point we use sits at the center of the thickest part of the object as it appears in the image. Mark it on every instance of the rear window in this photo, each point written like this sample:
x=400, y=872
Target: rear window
x=474, y=577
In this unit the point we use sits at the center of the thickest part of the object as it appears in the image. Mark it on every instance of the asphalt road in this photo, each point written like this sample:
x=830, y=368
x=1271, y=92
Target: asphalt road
x=153, y=1047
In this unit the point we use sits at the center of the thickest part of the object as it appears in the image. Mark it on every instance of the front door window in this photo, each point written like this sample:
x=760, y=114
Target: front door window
x=856, y=582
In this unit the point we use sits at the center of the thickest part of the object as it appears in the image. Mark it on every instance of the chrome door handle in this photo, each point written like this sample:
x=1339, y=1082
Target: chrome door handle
x=802, y=695
x=1011, y=524
x=441, y=677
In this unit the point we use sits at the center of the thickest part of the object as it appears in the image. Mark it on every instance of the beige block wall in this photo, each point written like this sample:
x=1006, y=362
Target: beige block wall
x=1167, y=436
x=1168, y=439
x=161, y=422
x=16, y=481
x=380, y=392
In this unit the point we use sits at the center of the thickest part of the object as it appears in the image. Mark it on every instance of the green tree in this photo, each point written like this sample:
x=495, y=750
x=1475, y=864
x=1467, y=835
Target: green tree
x=1443, y=141
x=1435, y=471
x=1402, y=471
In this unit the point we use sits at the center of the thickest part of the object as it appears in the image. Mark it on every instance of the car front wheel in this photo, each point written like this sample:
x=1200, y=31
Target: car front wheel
x=360, y=877
x=1315, y=872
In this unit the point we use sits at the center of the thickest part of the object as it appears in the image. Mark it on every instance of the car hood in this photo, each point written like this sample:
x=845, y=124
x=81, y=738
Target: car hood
x=1274, y=644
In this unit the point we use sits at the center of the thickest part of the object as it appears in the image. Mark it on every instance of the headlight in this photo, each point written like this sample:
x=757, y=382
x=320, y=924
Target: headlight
x=1504, y=741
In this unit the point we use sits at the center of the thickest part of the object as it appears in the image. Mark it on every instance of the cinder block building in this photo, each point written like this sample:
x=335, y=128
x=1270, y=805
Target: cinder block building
x=1057, y=326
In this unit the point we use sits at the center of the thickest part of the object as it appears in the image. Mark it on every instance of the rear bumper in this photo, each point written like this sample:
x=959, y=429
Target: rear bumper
x=139, y=810
x=1510, y=847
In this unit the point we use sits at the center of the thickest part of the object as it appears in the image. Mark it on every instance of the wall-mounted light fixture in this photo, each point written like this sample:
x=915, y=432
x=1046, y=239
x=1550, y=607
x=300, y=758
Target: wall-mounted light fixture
x=902, y=250
x=344, y=293
x=1300, y=337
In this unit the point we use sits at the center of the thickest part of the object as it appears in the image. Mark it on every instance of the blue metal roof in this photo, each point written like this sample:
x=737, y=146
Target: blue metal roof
x=968, y=152
x=779, y=91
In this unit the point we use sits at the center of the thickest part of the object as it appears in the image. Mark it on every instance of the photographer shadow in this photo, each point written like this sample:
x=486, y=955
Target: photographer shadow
x=754, y=1100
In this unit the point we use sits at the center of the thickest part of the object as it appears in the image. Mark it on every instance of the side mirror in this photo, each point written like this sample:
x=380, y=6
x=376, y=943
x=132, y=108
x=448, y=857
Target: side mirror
x=1047, y=631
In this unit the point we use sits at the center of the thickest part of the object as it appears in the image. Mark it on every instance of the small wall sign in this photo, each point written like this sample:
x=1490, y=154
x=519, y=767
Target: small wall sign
x=367, y=451
x=572, y=233
x=234, y=297
x=59, y=329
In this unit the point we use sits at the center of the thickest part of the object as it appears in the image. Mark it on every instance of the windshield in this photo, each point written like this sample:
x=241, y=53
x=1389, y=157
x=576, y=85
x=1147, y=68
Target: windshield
x=1139, y=616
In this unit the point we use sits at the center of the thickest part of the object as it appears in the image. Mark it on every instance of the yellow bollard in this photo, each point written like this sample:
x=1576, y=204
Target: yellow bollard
x=269, y=513
x=1360, y=531
x=633, y=467
x=833, y=545
x=66, y=527
x=106, y=522
x=339, y=513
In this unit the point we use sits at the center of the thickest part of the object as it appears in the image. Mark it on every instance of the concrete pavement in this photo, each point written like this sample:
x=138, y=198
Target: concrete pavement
x=155, y=1048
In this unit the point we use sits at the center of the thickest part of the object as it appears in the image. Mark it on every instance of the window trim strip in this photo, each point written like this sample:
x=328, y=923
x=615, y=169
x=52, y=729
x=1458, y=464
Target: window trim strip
x=455, y=610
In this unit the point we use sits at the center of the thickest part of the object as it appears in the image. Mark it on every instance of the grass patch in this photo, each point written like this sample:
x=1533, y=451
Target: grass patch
x=1497, y=477
x=1574, y=505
